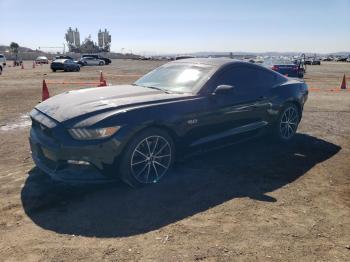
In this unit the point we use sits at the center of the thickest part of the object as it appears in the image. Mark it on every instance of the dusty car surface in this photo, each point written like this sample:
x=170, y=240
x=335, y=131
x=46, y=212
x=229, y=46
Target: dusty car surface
x=67, y=65
x=135, y=131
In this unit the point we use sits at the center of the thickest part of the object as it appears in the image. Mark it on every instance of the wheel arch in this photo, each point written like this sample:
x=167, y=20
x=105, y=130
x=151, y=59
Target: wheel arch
x=160, y=126
x=298, y=105
x=142, y=128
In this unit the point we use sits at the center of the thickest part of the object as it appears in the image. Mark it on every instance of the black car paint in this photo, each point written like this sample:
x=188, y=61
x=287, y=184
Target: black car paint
x=66, y=65
x=191, y=119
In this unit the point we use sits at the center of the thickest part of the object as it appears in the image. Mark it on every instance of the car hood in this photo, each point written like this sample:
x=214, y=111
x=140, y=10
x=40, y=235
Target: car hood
x=97, y=100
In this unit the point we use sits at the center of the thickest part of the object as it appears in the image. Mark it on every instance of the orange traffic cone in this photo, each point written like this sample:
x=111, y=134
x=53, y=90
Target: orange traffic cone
x=101, y=77
x=102, y=83
x=33, y=64
x=343, y=83
x=45, y=91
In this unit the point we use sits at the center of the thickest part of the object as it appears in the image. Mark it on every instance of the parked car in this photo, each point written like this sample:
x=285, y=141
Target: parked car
x=329, y=58
x=341, y=59
x=90, y=61
x=67, y=65
x=133, y=131
x=316, y=61
x=286, y=67
x=106, y=60
x=308, y=61
x=41, y=60
x=2, y=60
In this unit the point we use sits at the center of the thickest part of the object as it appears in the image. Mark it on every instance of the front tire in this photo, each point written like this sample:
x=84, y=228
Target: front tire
x=287, y=123
x=147, y=158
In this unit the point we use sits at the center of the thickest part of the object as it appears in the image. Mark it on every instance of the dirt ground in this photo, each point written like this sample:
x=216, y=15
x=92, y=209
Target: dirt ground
x=255, y=201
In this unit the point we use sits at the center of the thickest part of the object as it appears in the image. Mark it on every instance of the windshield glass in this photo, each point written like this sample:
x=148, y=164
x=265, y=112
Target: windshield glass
x=185, y=78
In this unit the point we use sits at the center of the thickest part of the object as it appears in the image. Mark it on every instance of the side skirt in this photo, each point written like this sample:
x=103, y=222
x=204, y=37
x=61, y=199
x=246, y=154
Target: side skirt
x=230, y=132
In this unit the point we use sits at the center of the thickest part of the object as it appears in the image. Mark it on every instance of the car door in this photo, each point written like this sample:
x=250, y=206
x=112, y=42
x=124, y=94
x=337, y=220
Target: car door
x=88, y=61
x=96, y=61
x=242, y=110
x=68, y=64
x=247, y=104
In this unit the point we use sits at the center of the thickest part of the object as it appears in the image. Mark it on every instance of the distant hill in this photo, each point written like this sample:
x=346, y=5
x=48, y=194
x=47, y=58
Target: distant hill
x=4, y=48
x=249, y=54
x=206, y=54
x=29, y=54
x=26, y=53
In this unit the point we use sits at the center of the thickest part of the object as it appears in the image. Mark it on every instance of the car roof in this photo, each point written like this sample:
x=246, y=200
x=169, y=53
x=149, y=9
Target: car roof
x=210, y=61
x=60, y=60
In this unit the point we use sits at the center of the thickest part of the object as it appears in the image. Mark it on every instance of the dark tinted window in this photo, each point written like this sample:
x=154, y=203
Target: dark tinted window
x=249, y=80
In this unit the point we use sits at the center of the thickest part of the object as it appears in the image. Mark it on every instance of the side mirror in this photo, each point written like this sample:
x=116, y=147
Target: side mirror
x=223, y=89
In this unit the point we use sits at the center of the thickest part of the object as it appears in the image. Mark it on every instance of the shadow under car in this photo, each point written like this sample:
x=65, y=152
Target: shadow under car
x=196, y=184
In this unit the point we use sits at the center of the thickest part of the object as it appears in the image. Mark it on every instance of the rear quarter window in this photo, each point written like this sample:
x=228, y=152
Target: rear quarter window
x=270, y=78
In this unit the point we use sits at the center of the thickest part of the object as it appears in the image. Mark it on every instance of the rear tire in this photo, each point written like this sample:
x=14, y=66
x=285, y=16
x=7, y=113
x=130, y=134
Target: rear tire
x=53, y=70
x=147, y=158
x=286, y=126
x=101, y=63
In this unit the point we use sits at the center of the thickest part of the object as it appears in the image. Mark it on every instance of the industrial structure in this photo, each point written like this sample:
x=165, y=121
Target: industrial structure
x=73, y=38
x=104, y=40
x=88, y=45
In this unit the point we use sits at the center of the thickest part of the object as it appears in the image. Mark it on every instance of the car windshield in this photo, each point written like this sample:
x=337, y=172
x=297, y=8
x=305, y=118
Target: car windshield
x=184, y=78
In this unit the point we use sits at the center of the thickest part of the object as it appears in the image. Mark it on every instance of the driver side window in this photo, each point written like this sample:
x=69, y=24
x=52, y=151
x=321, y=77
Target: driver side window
x=247, y=81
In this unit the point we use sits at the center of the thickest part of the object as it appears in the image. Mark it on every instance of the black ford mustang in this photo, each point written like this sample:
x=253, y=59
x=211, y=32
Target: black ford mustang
x=133, y=131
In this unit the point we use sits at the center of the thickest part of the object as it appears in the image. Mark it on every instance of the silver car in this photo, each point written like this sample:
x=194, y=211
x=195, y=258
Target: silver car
x=91, y=61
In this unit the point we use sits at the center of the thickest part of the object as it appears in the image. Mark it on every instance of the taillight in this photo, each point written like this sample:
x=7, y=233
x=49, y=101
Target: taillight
x=275, y=68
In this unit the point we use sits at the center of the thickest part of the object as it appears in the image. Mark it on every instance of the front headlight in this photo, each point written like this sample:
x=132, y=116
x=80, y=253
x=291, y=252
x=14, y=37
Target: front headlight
x=89, y=133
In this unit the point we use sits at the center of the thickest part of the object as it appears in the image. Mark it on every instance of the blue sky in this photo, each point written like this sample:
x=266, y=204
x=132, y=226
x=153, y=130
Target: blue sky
x=181, y=26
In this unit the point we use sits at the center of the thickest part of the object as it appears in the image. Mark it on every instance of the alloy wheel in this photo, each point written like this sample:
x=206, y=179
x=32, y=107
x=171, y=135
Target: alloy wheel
x=151, y=159
x=289, y=122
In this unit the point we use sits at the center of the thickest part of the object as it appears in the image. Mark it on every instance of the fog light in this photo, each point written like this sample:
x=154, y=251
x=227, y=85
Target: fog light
x=78, y=162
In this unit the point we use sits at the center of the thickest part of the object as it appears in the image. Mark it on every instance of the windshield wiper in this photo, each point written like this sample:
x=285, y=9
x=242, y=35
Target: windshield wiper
x=160, y=89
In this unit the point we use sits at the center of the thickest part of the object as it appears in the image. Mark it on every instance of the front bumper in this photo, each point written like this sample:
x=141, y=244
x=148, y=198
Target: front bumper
x=78, y=163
